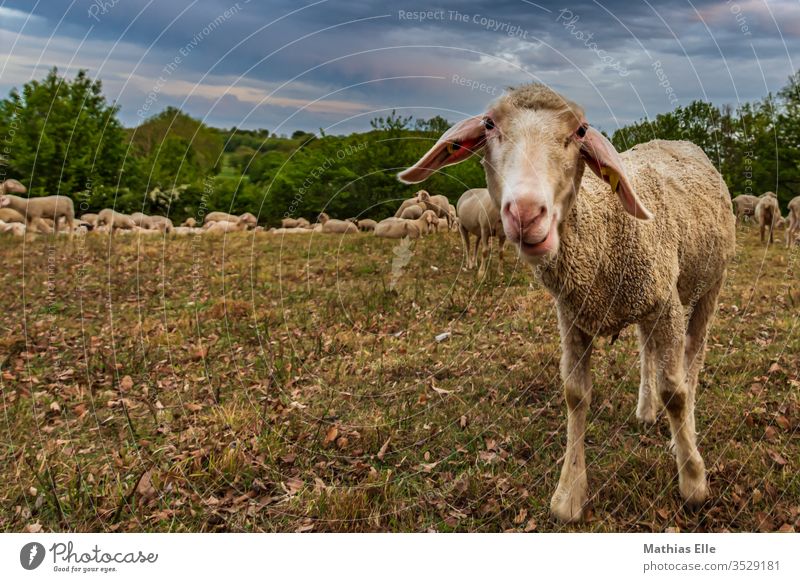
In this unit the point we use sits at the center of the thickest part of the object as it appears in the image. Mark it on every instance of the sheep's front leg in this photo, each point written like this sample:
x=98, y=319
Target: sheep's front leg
x=571, y=494
x=648, y=402
x=667, y=332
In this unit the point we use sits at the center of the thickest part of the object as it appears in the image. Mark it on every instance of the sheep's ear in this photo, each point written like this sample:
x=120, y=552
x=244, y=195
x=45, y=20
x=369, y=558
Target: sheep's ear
x=456, y=145
x=14, y=186
x=604, y=161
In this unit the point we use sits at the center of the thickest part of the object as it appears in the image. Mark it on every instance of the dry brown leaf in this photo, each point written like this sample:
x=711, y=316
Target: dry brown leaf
x=530, y=526
x=125, y=384
x=330, y=435
x=776, y=457
x=384, y=448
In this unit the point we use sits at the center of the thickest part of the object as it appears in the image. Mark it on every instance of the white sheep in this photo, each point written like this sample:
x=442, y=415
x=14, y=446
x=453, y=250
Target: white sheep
x=34, y=209
x=114, y=221
x=367, y=225
x=478, y=214
x=402, y=227
x=744, y=206
x=12, y=228
x=606, y=259
x=227, y=226
x=335, y=226
x=412, y=212
x=767, y=215
x=793, y=220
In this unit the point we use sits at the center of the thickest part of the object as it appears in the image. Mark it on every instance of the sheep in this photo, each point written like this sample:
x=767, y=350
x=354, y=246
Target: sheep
x=442, y=225
x=744, y=207
x=12, y=228
x=607, y=261
x=33, y=209
x=478, y=214
x=141, y=220
x=367, y=225
x=793, y=219
x=161, y=223
x=440, y=205
x=114, y=221
x=189, y=223
x=89, y=218
x=295, y=223
x=334, y=226
x=187, y=230
x=212, y=217
x=226, y=226
x=419, y=198
x=11, y=215
x=412, y=212
x=767, y=214
x=291, y=230
x=401, y=227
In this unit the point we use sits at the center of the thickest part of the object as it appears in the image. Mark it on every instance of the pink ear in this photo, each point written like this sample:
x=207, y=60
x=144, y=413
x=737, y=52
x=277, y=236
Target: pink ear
x=14, y=186
x=456, y=145
x=604, y=161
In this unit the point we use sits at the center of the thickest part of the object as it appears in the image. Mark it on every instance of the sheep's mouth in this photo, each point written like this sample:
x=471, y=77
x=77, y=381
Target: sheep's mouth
x=541, y=247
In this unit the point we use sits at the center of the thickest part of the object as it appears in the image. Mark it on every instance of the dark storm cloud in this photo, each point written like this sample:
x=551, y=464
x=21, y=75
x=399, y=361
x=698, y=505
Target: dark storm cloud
x=237, y=66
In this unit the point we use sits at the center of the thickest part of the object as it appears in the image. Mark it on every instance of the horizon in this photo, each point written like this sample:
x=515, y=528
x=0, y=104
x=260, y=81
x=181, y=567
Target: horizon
x=335, y=67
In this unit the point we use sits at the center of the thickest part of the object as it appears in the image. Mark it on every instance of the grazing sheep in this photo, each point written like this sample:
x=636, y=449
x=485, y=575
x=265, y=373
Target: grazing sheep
x=606, y=259
x=161, y=223
x=34, y=209
x=767, y=214
x=11, y=215
x=89, y=219
x=141, y=220
x=794, y=220
x=335, y=226
x=478, y=214
x=367, y=225
x=114, y=221
x=401, y=227
x=189, y=223
x=744, y=207
x=412, y=212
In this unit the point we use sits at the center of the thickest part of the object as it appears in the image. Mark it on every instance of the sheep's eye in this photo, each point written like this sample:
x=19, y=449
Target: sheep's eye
x=453, y=147
x=488, y=123
x=581, y=131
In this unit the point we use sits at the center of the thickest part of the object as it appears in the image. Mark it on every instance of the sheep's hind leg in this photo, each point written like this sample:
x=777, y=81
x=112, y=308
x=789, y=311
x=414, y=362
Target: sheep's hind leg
x=695, y=351
x=465, y=241
x=571, y=494
x=647, y=406
x=668, y=332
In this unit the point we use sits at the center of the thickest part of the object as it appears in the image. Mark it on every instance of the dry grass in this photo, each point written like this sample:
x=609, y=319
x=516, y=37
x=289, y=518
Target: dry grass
x=245, y=384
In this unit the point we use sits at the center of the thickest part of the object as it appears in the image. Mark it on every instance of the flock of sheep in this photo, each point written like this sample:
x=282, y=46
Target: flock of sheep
x=767, y=214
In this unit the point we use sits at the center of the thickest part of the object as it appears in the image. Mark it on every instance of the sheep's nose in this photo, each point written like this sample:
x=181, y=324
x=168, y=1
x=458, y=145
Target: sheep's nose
x=524, y=215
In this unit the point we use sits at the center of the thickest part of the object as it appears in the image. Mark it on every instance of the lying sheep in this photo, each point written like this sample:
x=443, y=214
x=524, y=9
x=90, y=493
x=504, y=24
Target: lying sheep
x=767, y=214
x=401, y=227
x=367, y=225
x=161, y=223
x=187, y=230
x=744, y=207
x=607, y=260
x=295, y=223
x=412, y=212
x=335, y=226
x=141, y=220
x=189, y=223
x=11, y=215
x=34, y=209
x=226, y=226
x=114, y=221
x=12, y=228
x=291, y=230
x=420, y=196
x=793, y=220
x=478, y=214
x=212, y=217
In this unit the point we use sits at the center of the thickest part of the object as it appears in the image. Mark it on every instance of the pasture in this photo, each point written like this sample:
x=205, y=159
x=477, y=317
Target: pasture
x=265, y=383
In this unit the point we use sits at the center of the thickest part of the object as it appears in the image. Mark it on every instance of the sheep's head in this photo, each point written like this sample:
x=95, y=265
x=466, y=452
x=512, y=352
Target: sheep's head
x=323, y=218
x=12, y=186
x=536, y=145
x=422, y=196
x=4, y=200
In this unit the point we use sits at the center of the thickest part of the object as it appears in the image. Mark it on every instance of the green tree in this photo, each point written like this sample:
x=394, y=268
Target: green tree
x=62, y=136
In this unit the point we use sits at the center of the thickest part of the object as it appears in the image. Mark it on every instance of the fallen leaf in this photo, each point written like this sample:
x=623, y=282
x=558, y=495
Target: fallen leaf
x=530, y=526
x=383, y=449
x=330, y=436
x=125, y=384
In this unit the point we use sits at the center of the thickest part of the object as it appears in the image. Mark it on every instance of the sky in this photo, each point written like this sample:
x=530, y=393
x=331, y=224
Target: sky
x=336, y=64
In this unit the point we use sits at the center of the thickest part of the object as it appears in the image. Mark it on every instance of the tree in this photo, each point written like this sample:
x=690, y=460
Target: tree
x=62, y=136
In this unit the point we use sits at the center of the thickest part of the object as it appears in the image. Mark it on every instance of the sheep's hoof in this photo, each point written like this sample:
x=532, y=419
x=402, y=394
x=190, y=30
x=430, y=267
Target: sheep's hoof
x=694, y=496
x=646, y=417
x=568, y=508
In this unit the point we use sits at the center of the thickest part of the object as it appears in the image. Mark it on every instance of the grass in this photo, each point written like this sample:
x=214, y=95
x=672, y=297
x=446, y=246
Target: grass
x=263, y=384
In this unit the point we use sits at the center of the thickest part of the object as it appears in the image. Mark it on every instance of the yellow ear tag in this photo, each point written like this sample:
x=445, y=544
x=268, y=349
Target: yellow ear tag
x=453, y=147
x=612, y=176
